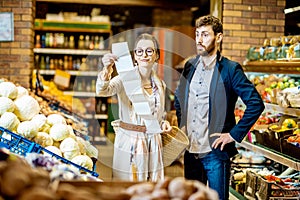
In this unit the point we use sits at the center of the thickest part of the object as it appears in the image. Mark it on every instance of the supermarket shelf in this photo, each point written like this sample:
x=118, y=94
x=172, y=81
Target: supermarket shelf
x=275, y=156
x=71, y=72
x=101, y=116
x=70, y=51
x=72, y=26
x=80, y=94
x=274, y=66
x=288, y=111
x=234, y=195
x=88, y=116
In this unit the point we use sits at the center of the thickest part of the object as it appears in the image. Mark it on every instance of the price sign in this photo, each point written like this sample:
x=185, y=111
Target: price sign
x=6, y=26
x=62, y=78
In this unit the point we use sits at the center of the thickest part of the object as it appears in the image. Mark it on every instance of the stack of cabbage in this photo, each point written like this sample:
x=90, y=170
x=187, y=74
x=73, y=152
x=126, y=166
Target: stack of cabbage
x=21, y=113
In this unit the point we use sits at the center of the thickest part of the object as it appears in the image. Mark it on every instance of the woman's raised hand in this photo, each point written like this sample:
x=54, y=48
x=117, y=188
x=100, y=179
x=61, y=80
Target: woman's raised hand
x=108, y=61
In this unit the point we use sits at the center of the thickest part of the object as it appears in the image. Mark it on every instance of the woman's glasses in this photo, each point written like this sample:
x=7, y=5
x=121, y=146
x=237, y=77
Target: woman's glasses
x=139, y=52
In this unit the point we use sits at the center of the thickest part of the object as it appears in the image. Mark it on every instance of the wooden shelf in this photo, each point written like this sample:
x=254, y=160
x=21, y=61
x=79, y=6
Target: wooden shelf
x=288, y=111
x=72, y=26
x=80, y=94
x=275, y=156
x=274, y=67
x=101, y=116
x=71, y=72
x=96, y=52
x=147, y=3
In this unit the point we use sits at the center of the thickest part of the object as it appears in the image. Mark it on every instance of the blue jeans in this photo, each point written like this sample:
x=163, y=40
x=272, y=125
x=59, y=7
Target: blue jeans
x=213, y=168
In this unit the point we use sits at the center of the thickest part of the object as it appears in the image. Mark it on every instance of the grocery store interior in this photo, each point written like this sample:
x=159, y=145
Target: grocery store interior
x=51, y=50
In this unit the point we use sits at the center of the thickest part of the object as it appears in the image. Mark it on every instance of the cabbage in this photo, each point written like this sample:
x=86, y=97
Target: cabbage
x=83, y=161
x=28, y=129
x=54, y=150
x=59, y=132
x=6, y=105
x=9, y=121
x=22, y=91
x=43, y=139
x=39, y=120
x=8, y=89
x=70, y=148
x=56, y=119
x=26, y=107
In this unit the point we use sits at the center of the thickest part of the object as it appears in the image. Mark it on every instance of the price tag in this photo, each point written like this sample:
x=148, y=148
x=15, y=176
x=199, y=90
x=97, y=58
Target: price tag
x=62, y=78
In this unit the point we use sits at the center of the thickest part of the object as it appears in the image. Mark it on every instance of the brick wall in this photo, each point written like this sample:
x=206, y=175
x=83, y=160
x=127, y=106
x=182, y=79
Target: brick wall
x=16, y=57
x=248, y=22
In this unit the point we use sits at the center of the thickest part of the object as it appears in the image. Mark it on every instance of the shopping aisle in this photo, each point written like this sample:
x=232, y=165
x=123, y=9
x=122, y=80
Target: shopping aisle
x=104, y=164
x=104, y=170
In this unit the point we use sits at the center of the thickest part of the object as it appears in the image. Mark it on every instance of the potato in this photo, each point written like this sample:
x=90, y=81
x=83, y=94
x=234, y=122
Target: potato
x=180, y=188
x=142, y=197
x=65, y=190
x=81, y=194
x=159, y=194
x=199, y=186
x=3, y=166
x=210, y=194
x=112, y=193
x=140, y=188
x=40, y=177
x=200, y=195
x=163, y=184
x=14, y=182
x=37, y=193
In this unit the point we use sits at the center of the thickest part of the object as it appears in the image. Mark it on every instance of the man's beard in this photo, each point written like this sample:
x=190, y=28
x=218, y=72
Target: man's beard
x=207, y=50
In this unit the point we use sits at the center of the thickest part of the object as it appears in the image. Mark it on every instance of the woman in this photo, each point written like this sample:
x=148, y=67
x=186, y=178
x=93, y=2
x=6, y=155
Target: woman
x=137, y=154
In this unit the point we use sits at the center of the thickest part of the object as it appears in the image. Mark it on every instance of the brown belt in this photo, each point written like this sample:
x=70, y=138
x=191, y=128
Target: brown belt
x=132, y=127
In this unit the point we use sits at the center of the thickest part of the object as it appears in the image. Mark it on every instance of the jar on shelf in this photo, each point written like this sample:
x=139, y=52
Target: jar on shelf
x=42, y=63
x=43, y=41
x=71, y=42
x=96, y=42
x=51, y=39
x=83, y=66
x=47, y=40
x=81, y=42
x=70, y=63
x=47, y=62
x=37, y=41
x=66, y=63
x=87, y=42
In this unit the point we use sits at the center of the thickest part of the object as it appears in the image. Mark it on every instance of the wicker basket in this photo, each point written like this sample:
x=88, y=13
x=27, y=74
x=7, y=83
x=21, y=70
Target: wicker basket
x=174, y=144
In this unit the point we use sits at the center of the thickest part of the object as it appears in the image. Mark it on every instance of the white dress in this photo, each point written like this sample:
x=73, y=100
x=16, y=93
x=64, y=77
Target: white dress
x=137, y=155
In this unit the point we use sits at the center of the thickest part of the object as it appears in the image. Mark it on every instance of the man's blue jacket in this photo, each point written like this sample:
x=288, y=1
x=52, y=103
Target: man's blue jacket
x=228, y=83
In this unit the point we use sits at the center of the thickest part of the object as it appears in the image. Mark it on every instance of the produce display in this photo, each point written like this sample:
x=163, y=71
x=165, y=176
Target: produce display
x=30, y=116
x=44, y=178
x=279, y=48
x=257, y=177
x=267, y=186
x=278, y=89
x=51, y=92
x=295, y=138
x=36, y=175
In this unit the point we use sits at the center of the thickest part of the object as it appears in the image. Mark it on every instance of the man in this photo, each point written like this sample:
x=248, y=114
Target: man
x=205, y=100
